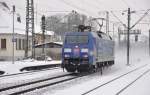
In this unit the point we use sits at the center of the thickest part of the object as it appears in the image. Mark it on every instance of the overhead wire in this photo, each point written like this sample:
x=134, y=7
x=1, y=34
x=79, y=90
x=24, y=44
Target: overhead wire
x=118, y=19
x=126, y=3
x=146, y=13
x=92, y=4
x=83, y=10
x=74, y=6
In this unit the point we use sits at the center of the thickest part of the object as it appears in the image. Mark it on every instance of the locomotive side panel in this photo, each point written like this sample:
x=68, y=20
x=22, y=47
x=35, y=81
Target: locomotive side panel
x=105, y=50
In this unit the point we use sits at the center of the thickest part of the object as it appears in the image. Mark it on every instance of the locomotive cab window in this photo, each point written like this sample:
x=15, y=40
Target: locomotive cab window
x=76, y=39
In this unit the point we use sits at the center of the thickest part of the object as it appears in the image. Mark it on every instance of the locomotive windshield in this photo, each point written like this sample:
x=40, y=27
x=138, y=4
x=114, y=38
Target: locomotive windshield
x=72, y=39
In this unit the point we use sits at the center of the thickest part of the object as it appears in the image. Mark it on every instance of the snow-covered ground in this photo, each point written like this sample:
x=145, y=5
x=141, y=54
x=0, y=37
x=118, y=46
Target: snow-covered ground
x=139, y=57
x=25, y=78
x=10, y=68
x=140, y=88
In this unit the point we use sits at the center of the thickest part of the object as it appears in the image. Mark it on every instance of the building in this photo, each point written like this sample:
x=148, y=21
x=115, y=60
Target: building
x=51, y=49
x=49, y=37
x=6, y=35
x=6, y=46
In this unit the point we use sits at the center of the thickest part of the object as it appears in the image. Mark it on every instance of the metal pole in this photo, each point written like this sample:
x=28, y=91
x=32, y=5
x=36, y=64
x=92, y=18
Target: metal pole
x=30, y=27
x=43, y=33
x=33, y=32
x=128, y=37
x=36, y=13
x=13, y=40
x=27, y=29
x=76, y=19
x=119, y=34
x=107, y=22
x=149, y=42
x=113, y=30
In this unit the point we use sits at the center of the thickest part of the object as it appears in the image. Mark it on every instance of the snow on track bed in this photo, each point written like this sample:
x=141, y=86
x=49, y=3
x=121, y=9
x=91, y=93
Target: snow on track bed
x=117, y=85
x=21, y=88
x=141, y=87
x=54, y=88
x=30, y=86
x=8, y=81
x=133, y=82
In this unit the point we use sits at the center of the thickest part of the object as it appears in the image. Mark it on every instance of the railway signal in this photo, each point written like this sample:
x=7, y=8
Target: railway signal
x=43, y=27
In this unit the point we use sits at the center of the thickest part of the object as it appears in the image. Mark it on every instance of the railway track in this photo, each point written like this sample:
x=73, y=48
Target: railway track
x=31, y=86
x=25, y=87
x=117, y=78
x=120, y=91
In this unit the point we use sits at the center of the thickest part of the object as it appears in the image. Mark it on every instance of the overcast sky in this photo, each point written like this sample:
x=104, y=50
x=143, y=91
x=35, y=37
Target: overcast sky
x=88, y=7
x=91, y=7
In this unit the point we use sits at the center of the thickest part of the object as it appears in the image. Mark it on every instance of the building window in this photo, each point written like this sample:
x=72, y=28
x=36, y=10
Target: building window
x=16, y=44
x=29, y=44
x=3, y=43
x=23, y=45
x=19, y=44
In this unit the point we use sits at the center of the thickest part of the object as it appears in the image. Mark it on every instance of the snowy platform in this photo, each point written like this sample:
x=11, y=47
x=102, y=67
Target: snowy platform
x=10, y=68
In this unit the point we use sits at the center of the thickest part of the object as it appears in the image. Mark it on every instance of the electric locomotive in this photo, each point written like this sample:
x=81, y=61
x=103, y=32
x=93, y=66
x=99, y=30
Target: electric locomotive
x=86, y=51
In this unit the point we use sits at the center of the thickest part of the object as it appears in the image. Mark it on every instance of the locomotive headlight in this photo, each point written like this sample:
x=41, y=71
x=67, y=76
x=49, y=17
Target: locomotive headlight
x=85, y=56
x=66, y=55
x=67, y=49
x=91, y=53
x=85, y=50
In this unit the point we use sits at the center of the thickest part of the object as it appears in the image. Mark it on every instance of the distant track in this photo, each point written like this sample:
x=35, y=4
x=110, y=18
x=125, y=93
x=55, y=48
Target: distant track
x=114, y=80
x=119, y=92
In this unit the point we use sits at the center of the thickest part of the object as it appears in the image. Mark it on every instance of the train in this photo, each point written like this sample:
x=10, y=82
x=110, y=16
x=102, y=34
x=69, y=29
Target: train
x=87, y=51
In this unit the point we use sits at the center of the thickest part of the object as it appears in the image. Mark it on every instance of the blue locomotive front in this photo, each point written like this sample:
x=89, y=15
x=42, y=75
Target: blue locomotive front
x=78, y=51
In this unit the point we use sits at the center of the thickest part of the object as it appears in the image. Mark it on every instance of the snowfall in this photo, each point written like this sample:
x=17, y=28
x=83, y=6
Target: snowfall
x=139, y=56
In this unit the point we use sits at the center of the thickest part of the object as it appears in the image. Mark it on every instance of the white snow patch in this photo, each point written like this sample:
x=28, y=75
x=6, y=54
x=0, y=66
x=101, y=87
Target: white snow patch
x=10, y=68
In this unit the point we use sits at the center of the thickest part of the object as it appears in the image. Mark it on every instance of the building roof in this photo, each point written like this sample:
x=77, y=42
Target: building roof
x=50, y=45
x=47, y=32
x=6, y=21
x=50, y=32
